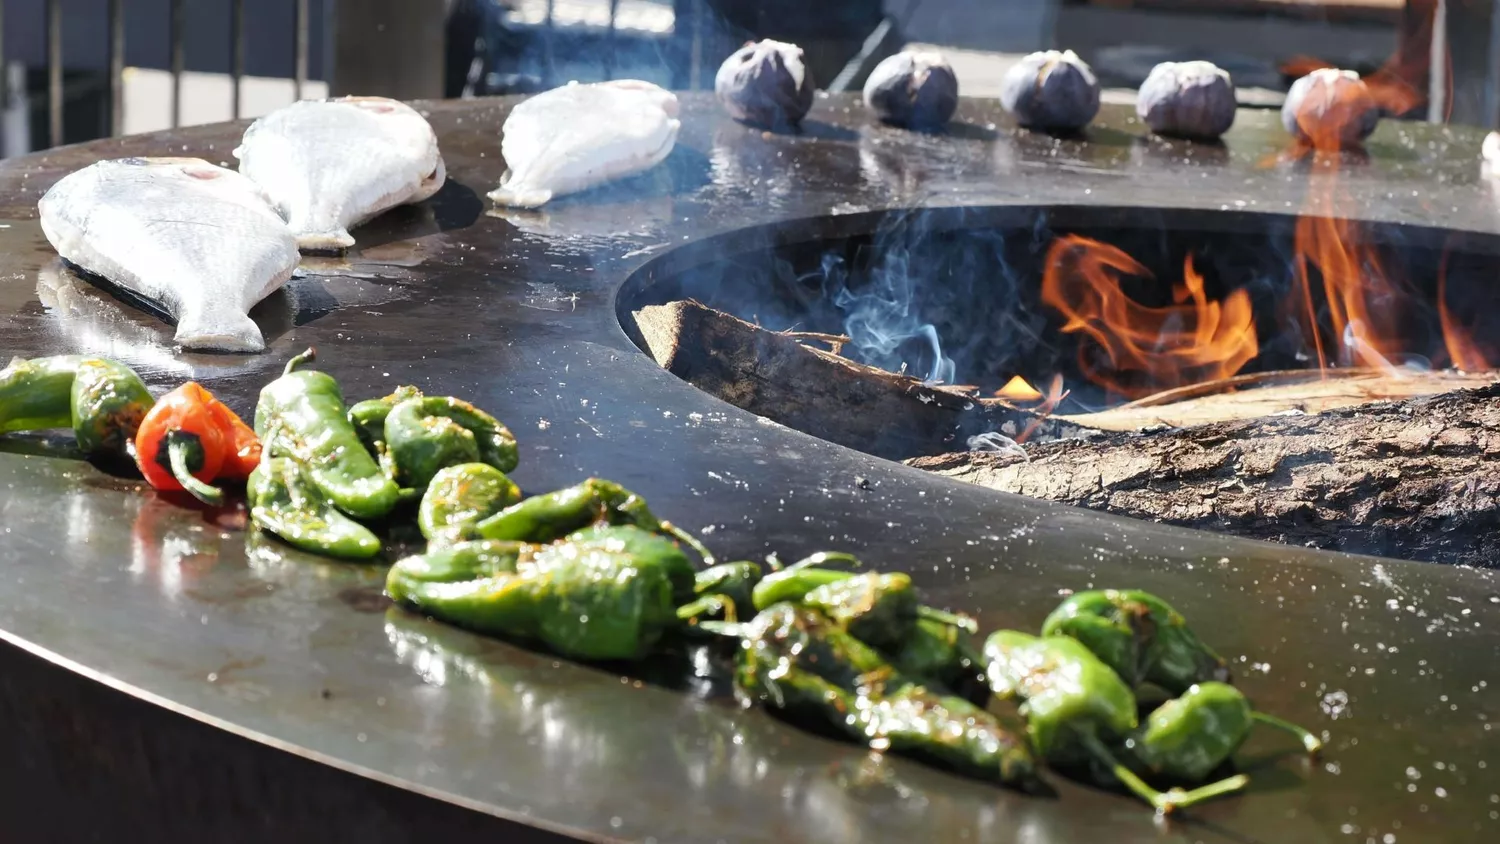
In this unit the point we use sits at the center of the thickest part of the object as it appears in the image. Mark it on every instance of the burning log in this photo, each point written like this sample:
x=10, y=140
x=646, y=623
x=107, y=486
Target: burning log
x=776, y=375
x=1415, y=479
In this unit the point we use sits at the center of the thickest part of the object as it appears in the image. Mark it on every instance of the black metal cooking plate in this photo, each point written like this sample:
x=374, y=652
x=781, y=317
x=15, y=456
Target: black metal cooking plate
x=518, y=312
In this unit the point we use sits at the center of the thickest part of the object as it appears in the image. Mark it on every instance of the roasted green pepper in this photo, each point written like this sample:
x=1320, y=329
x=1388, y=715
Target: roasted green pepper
x=733, y=583
x=101, y=400
x=1074, y=705
x=368, y=416
x=594, y=501
x=424, y=435
x=1138, y=635
x=942, y=653
x=1188, y=737
x=602, y=594
x=459, y=497
x=311, y=425
x=799, y=663
x=284, y=501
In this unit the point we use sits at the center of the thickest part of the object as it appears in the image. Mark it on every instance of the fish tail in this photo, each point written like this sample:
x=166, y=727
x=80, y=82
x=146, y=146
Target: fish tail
x=520, y=198
x=219, y=331
x=333, y=240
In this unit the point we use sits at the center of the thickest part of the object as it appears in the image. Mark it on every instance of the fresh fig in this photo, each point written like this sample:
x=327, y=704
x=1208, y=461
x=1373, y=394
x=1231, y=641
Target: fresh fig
x=766, y=83
x=918, y=90
x=1187, y=100
x=1051, y=90
x=1330, y=109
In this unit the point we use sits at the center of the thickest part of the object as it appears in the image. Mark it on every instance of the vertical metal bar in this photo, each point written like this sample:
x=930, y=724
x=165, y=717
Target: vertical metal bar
x=54, y=73
x=1437, y=67
x=609, y=41
x=116, y=67
x=300, y=44
x=695, y=60
x=549, y=69
x=4, y=86
x=175, y=36
x=236, y=54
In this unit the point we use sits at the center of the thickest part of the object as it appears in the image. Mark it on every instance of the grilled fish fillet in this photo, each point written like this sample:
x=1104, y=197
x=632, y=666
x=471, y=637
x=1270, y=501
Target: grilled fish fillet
x=199, y=241
x=331, y=165
x=577, y=137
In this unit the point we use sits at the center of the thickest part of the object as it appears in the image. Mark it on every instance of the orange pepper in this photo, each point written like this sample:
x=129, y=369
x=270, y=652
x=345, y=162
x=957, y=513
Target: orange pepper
x=189, y=439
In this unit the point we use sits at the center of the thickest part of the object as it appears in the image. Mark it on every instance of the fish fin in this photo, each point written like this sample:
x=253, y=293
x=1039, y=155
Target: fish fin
x=333, y=240
x=520, y=198
x=221, y=331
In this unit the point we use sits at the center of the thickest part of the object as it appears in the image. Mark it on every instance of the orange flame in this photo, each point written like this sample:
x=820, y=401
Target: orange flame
x=1462, y=350
x=1147, y=348
x=1019, y=389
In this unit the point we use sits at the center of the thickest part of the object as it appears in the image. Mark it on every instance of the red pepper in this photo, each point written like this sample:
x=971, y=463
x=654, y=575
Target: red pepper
x=189, y=439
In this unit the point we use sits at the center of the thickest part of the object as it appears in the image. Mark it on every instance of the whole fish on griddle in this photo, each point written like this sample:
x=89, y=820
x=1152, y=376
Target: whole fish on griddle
x=577, y=137
x=331, y=165
x=200, y=242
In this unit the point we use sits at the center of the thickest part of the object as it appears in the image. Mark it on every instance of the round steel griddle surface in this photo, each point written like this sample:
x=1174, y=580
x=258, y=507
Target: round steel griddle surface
x=516, y=311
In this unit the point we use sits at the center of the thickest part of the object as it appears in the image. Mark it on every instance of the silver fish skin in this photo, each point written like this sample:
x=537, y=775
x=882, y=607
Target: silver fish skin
x=200, y=241
x=331, y=165
x=578, y=137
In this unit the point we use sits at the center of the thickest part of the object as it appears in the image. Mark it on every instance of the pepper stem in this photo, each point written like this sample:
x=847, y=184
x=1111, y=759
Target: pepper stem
x=708, y=603
x=731, y=629
x=814, y=560
x=690, y=541
x=952, y=619
x=179, y=451
x=297, y=361
x=1164, y=802
x=1312, y=743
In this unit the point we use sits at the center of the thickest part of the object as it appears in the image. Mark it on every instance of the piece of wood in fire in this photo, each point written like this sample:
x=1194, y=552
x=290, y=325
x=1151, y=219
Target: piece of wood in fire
x=775, y=375
x=1416, y=479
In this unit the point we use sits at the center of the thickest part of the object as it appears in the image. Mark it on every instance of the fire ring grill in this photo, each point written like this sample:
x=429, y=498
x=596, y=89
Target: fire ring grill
x=160, y=676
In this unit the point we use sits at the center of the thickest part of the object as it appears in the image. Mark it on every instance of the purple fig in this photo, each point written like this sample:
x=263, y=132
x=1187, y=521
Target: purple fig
x=1330, y=108
x=1187, y=100
x=766, y=83
x=1051, y=91
x=918, y=90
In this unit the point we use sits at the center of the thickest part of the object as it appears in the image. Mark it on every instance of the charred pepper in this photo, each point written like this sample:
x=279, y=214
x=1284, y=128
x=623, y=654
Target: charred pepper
x=101, y=400
x=1188, y=737
x=1074, y=705
x=284, y=501
x=459, y=497
x=189, y=439
x=1138, y=635
x=801, y=664
x=306, y=409
x=368, y=416
x=424, y=435
x=606, y=593
x=545, y=518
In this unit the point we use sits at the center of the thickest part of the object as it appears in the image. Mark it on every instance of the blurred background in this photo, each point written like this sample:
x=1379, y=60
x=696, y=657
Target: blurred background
x=75, y=70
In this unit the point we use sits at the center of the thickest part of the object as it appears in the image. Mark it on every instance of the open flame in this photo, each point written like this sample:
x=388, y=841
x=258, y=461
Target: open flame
x=1146, y=348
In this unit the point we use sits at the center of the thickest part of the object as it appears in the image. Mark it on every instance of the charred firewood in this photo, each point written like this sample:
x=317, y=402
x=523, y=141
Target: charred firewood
x=779, y=376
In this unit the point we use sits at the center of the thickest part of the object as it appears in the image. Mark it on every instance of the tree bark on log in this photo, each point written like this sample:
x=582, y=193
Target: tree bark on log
x=1415, y=479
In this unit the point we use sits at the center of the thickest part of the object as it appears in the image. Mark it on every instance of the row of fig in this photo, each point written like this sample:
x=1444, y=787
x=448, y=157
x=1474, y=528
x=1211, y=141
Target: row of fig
x=767, y=83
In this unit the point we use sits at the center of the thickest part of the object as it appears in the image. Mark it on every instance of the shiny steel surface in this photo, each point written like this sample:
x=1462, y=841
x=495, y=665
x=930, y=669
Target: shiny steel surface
x=1395, y=660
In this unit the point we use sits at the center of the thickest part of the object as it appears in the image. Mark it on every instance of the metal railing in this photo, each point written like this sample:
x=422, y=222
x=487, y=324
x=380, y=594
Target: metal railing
x=115, y=60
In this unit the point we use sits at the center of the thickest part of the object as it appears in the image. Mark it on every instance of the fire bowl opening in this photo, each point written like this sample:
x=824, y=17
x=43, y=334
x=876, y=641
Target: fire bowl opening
x=1299, y=379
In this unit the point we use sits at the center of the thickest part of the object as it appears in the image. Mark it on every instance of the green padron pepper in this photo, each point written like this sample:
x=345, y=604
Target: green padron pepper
x=798, y=662
x=544, y=518
x=426, y=434
x=301, y=415
x=733, y=583
x=943, y=653
x=602, y=594
x=1138, y=635
x=284, y=501
x=101, y=400
x=1188, y=737
x=1075, y=705
x=368, y=416
x=459, y=497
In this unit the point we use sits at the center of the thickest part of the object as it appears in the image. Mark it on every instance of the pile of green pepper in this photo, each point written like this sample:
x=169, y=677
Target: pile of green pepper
x=591, y=573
